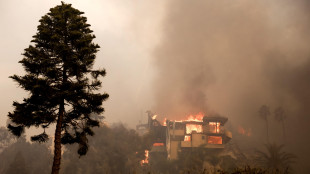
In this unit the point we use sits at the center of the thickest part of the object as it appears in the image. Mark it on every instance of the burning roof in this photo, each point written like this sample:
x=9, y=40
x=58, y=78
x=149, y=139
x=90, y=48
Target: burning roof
x=198, y=130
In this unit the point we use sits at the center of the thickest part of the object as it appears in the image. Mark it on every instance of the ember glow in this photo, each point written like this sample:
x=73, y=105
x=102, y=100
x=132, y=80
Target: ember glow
x=215, y=140
x=154, y=117
x=214, y=127
x=164, y=123
x=193, y=128
x=146, y=160
x=158, y=144
x=243, y=131
x=187, y=138
x=196, y=118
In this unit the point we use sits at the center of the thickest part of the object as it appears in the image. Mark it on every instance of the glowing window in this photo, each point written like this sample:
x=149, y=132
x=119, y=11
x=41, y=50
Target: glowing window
x=193, y=127
x=187, y=138
x=214, y=127
x=214, y=140
x=158, y=144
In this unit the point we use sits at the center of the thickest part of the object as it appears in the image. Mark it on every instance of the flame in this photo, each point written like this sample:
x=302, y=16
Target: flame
x=193, y=127
x=198, y=117
x=241, y=130
x=215, y=140
x=190, y=127
x=246, y=132
x=187, y=138
x=195, y=118
x=146, y=160
x=165, y=122
x=154, y=117
x=158, y=144
x=215, y=127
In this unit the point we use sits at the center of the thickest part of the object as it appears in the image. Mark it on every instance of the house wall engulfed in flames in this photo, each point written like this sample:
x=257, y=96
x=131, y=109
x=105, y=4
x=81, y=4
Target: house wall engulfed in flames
x=173, y=137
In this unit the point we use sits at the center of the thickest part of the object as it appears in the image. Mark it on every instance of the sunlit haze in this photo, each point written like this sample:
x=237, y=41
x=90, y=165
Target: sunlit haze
x=179, y=57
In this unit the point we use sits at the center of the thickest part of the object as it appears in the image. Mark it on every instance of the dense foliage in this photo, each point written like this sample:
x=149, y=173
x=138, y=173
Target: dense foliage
x=117, y=150
x=114, y=150
x=61, y=81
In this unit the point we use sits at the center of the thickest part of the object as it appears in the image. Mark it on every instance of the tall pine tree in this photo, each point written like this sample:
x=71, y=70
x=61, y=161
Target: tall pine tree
x=61, y=82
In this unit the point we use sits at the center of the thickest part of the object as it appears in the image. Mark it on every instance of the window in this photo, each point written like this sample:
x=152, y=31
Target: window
x=187, y=138
x=193, y=127
x=214, y=140
x=158, y=144
x=214, y=127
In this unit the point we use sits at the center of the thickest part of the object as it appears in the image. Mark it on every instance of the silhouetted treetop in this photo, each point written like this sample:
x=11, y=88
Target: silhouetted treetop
x=61, y=81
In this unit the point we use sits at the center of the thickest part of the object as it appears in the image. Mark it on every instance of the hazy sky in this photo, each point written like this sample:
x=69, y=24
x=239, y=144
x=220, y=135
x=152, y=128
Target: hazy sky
x=231, y=57
x=186, y=56
x=126, y=32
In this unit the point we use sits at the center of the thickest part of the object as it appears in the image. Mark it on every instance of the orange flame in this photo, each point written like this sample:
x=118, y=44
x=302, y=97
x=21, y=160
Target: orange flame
x=154, y=117
x=198, y=117
x=146, y=160
x=164, y=123
x=215, y=140
x=193, y=127
x=158, y=144
x=246, y=132
x=187, y=138
x=195, y=118
x=215, y=127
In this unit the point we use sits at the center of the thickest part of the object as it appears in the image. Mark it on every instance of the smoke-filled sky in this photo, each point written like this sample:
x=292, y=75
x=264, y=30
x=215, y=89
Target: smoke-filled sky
x=230, y=58
x=182, y=57
x=126, y=32
x=227, y=56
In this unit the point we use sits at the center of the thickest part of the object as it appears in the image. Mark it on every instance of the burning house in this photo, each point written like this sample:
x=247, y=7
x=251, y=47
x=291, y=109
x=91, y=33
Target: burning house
x=173, y=137
x=203, y=132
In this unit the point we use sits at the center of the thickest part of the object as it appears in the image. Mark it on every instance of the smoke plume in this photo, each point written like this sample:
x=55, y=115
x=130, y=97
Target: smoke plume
x=231, y=57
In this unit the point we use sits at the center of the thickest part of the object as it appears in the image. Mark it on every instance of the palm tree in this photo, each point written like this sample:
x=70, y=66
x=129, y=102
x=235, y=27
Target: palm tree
x=264, y=113
x=280, y=116
x=275, y=158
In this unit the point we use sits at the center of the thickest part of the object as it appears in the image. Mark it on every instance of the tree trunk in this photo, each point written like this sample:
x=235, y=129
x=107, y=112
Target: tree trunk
x=57, y=142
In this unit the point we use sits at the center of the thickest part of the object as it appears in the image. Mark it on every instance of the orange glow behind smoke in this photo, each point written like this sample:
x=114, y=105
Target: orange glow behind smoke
x=214, y=127
x=197, y=118
x=158, y=144
x=193, y=127
x=215, y=140
x=246, y=132
x=146, y=160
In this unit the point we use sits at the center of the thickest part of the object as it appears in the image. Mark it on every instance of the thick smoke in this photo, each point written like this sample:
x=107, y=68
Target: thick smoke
x=231, y=57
